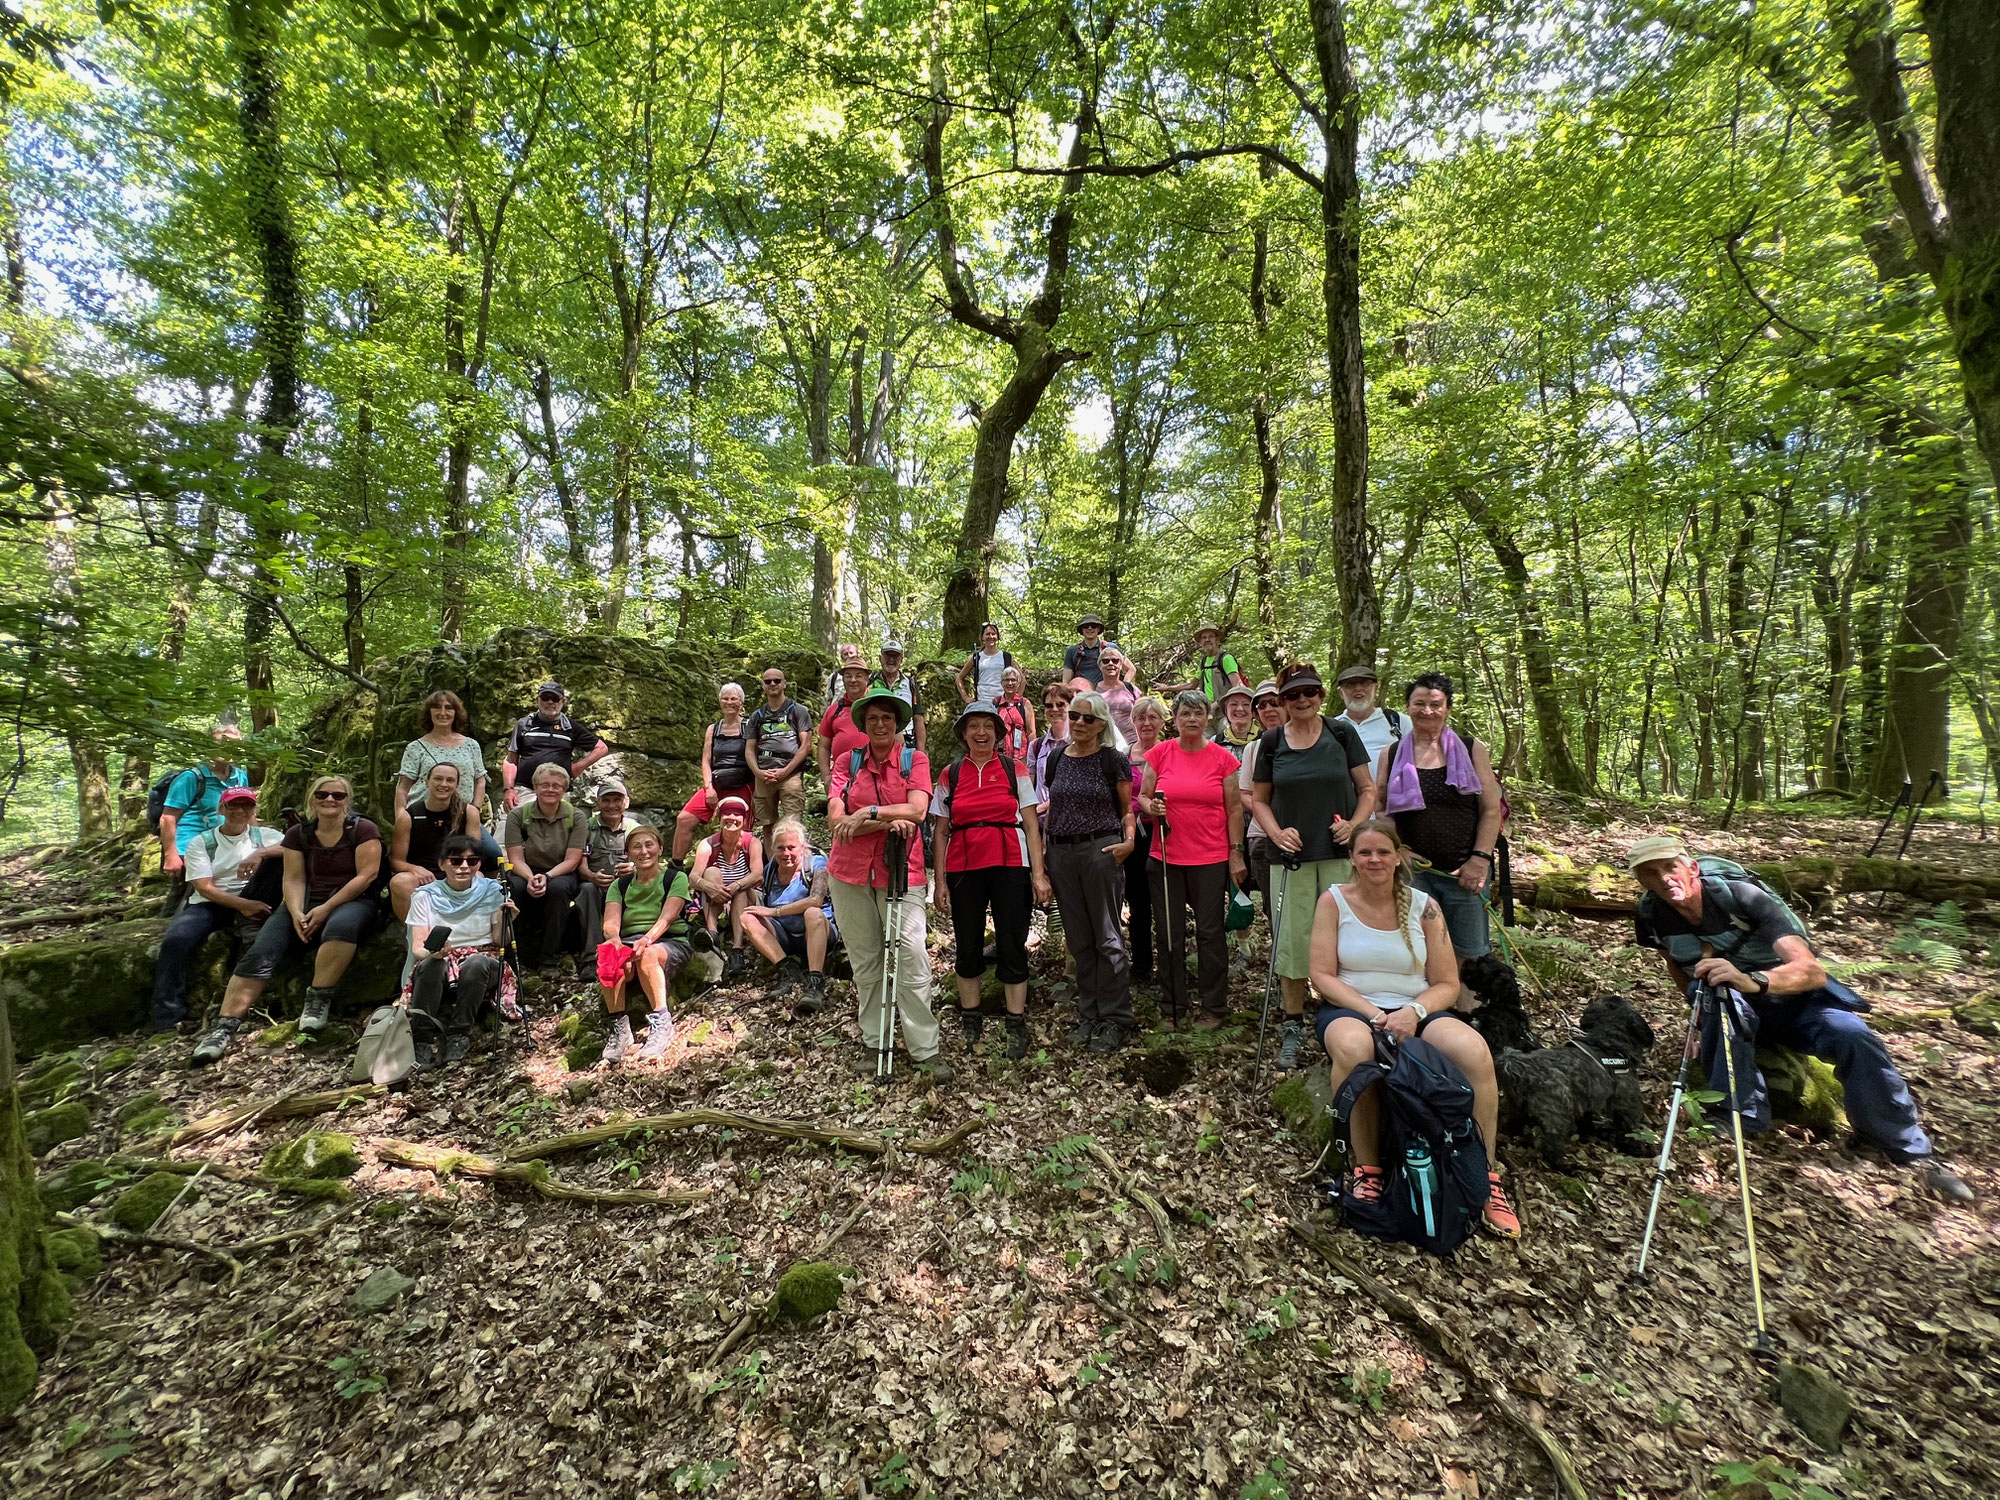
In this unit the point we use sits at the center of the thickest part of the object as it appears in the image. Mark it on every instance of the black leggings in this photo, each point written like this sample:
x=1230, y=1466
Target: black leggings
x=1005, y=889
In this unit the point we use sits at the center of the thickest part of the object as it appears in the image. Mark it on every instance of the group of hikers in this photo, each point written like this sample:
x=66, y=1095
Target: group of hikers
x=1151, y=821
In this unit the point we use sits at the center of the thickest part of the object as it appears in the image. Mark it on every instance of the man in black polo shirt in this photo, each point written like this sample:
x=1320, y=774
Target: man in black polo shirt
x=1734, y=935
x=548, y=737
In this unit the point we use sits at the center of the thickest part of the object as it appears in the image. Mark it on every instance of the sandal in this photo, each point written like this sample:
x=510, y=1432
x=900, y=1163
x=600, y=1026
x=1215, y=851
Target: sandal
x=1500, y=1215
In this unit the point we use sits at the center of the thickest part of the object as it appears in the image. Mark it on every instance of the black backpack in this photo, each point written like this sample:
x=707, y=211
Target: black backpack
x=156, y=797
x=1433, y=1162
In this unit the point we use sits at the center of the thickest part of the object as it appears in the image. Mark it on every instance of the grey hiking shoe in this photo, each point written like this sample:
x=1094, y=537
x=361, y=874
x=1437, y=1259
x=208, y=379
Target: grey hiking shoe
x=1289, y=1041
x=1947, y=1184
x=318, y=1007
x=618, y=1041
x=659, y=1035
x=456, y=1046
x=214, y=1042
x=813, y=999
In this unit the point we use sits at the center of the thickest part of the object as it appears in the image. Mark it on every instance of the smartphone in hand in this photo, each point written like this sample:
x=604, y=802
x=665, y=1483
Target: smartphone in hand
x=436, y=941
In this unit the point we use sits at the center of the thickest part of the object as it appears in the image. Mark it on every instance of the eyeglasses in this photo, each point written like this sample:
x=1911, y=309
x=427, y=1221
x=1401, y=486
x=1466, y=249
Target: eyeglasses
x=461, y=859
x=326, y=796
x=1293, y=695
x=1085, y=719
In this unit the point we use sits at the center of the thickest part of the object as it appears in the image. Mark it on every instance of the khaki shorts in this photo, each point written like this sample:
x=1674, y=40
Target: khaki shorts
x=1298, y=892
x=768, y=802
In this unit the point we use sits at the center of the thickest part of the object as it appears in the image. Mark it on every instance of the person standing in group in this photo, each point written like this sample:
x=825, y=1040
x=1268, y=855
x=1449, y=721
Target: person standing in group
x=892, y=676
x=1084, y=658
x=333, y=865
x=985, y=666
x=1190, y=785
x=1215, y=669
x=220, y=862
x=1239, y=720
x=1017, y=715
x=447, y=737
x=645, y=938
x=725, y=769
x=1091, y=836
x=1445, y=797
x=1269, y=709
x=1145, y=876
x=865, y=804
x=1378, y=727
x=545, y=837
x=194, y=800
x=727, y=868
x=988, y=855
x=839, y=735
x=547, y=737
x=421, y=828
x=1120, y=693
x=782, y=731
x=604, y=839
x=1055, y=734
x=1311, y=790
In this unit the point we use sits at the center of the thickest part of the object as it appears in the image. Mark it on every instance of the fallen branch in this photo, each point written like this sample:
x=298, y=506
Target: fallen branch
x=446, y=1163
x=1454, y=1349
x=791, y=1130
x=1124, y=1316
x=1603, y=891
x=162, y=1242
x=284, y=1107
x=305, y=1187
x=66, y=915
x=1126, y=1184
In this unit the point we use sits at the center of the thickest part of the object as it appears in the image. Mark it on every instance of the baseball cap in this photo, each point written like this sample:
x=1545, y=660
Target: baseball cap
x=614, y=787
x=1359, y=672
x=238, y=794
x=1660, y=846
x=892, y=648
x=549, y=687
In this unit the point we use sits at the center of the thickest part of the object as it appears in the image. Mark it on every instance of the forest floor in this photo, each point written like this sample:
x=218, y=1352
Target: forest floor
x=1007, y=1330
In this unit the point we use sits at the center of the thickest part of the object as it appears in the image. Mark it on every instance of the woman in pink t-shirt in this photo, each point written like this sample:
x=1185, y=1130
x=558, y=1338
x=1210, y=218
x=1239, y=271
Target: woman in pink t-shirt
x=1190, y=786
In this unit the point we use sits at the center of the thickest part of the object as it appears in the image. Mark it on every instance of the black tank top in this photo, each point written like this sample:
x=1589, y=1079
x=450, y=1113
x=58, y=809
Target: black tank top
x=729, y=757
x=428, y=831
x=1443, y=829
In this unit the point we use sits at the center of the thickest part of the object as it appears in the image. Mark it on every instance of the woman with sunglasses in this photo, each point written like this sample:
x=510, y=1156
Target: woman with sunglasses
x=1145, y=876
x=1311, y=791
x=1056, y=698
x=332, y=869
x=1120, y=691
x=452, y=982
x=1190, y=785
x=1090, y=837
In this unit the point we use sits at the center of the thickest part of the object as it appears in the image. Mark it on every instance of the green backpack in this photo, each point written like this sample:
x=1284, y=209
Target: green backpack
x=1719, y=874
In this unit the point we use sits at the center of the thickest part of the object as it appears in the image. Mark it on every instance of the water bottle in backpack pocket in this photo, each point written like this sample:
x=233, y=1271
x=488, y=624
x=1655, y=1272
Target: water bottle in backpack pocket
x=1433, y=1161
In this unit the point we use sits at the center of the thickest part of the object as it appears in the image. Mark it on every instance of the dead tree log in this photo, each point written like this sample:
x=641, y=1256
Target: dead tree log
x=535, y=1175
x=1604, y=891
x=791, y=1130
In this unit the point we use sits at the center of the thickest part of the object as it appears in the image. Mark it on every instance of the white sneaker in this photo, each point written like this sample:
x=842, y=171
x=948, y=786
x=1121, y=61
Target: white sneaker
x=659, y=1035
x=619, y=1042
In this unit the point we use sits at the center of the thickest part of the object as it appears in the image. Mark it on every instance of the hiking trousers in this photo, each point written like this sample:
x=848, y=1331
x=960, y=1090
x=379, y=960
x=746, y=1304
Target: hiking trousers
x=862, y=912
x=1203, y=891
x=543, y=928
x=1088, y=885
x=180, y=943
x=431, y=985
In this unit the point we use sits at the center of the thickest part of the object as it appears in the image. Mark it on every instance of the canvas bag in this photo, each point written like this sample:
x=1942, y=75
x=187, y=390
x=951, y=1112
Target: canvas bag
x=387, y=1052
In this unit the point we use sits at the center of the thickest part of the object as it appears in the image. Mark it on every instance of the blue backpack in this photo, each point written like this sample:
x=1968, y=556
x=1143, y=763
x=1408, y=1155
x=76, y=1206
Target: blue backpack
x=1433, y=1162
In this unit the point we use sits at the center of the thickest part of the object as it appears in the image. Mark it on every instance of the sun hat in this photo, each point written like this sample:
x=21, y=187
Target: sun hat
x=1236, y=690
x=1659, y=846
x=1268, y=688
x=889, y=698
x=977, y=708
x=1096, y=620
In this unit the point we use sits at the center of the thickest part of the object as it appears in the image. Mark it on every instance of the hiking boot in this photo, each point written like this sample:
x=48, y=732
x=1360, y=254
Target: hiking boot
x=1500, y=1215
x=1289, y=1041
x=659, y=1035
x=787, y=977
x=215, y=1041
x=1017, y=1038
x=1367, y=1186
x=933, y=1067
x=813, y=1000
x=702, y=940
x=1947, y=1184
x=456, y=1046
x=973, y=1024
x=864, y=1064
x=1081, y=1033
x=424, y=1057
x=318, y=1007
x=1110, y=1038
x=618, y=1040
x=1206, y=1022
x=738, y=961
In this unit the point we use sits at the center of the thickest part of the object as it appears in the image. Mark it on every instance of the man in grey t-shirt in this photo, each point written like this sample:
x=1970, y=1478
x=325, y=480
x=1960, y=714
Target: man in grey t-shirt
x=603, y=862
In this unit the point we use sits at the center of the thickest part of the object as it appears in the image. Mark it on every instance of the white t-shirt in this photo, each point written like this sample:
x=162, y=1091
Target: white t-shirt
x=986, y=675
x=1246, y=781
x=1375, y=731
x=230, y=851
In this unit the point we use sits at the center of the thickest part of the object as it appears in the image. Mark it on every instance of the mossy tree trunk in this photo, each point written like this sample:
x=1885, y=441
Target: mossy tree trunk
x=34, y=1303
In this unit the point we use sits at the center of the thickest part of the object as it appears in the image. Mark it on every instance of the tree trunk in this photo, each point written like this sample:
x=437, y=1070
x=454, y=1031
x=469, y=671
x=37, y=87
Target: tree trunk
x=1270, y=526
x=1746, y=761
x=458, y=402
x=1917, y=728
x=552, y=456
x=1559, y=767
x=1340, y=220
x=632, y=297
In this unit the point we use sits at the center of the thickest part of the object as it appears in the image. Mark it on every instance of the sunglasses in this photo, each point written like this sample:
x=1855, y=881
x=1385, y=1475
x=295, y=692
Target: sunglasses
x=461, y=859
x=329, y=796
x=550, y=698
x=1293, y=695
x=774, y=682
x=1085, y=719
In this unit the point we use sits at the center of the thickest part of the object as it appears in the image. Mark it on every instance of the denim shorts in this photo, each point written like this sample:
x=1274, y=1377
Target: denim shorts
x=1464, y=911
x=1328, y=1013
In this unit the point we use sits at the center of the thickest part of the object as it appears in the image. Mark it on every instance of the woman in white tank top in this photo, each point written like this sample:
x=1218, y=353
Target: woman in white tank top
x=1382, y=962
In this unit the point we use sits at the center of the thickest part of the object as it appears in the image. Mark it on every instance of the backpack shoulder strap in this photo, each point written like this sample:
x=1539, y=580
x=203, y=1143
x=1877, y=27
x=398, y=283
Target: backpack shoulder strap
x=909, y=759
x=1395, y=724
x=210, y=843
x=1104, y=764
x=854, y=763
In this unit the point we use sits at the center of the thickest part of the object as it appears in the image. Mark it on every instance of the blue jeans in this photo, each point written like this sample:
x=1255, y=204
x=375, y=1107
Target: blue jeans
x=1464, y=911
x=181, y=941
x=1878, y=1100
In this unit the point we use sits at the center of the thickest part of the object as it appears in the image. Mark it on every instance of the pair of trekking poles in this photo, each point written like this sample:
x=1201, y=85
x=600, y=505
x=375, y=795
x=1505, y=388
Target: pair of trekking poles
x=896, y=851
x=1702, y=997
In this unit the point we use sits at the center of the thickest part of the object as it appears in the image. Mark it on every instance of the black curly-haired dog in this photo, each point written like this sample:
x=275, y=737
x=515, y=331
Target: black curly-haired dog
x=1590, y=1087
x=1499, y=1016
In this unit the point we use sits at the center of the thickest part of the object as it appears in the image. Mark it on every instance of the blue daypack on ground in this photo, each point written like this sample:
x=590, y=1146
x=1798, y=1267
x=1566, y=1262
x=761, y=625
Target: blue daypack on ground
x=1433, y=1162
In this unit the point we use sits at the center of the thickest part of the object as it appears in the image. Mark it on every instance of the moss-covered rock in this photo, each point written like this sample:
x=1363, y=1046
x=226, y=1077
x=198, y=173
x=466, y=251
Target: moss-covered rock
x=326, y=1189
x=1813, y=1401
x=1982, y=1016
x=148, y=1121
x=1803, y=1091
x=1302, y=1100
x=74, y=1185
x=48, y=1128
x=43, y=1086
x=131, y=1109
x=117, y=1060
x=145, y=1200
x=74, y=1252
x=584, y=1055
x=809, y=1289
x=281, y=1035
x=317, y=1155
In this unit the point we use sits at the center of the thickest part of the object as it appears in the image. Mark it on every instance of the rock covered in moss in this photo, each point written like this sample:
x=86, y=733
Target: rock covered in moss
x=74, y=1185
x=131, y=1109
x=317, y=1155
x=117, y=1060
x=810, y=1289
x=145, y=1200
x=1813, y=1401
x=48, y=1128
x=34, y=1301
x=1803, y=1091
x=43, y=1087
x=74, y=1252
x=1302, y=1100
x=1982, y=1016
x=148, y=1121
x=584, y=1055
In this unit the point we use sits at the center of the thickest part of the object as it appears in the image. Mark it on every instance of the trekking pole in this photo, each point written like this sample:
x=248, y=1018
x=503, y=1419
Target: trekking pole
x=1909, y=823
x=895, y=850
x=1289, y=863
x=1696, y=1004
x=1726, y=1031
x=1894, y=807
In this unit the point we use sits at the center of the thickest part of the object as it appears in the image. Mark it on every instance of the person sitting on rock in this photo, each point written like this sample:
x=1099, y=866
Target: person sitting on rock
x=782, y=730
x=220, y=863
x=421, y=829
x=794, y=917
x=548, y=737
x=447, y=737
x=194, y=800
x=725, y=769
x=333, y=866
x=603, y=861
x=455, y=939
x=728, y=867
x=645, y=938
x=1735, y=936
x=545, y=846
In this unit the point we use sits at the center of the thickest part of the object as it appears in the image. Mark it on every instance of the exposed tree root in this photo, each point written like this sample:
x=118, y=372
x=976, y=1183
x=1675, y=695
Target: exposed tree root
x=1126, y=1184
x=1454, y=1349
x=792, y=1130
x=305, y=1187
x=535, y=1175
x=285, y=1107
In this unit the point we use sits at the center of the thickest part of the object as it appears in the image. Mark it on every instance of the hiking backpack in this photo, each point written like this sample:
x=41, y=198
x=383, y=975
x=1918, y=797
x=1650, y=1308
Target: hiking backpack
x=156, y=795
x=1433, y=1162
x=856, y=757
x=1719, y=877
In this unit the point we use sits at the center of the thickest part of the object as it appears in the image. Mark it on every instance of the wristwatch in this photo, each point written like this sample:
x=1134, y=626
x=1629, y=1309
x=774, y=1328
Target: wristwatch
x=1762, y=980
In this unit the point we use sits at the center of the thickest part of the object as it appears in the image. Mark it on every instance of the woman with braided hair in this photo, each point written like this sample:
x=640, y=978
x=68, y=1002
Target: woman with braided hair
x=1382, y=962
